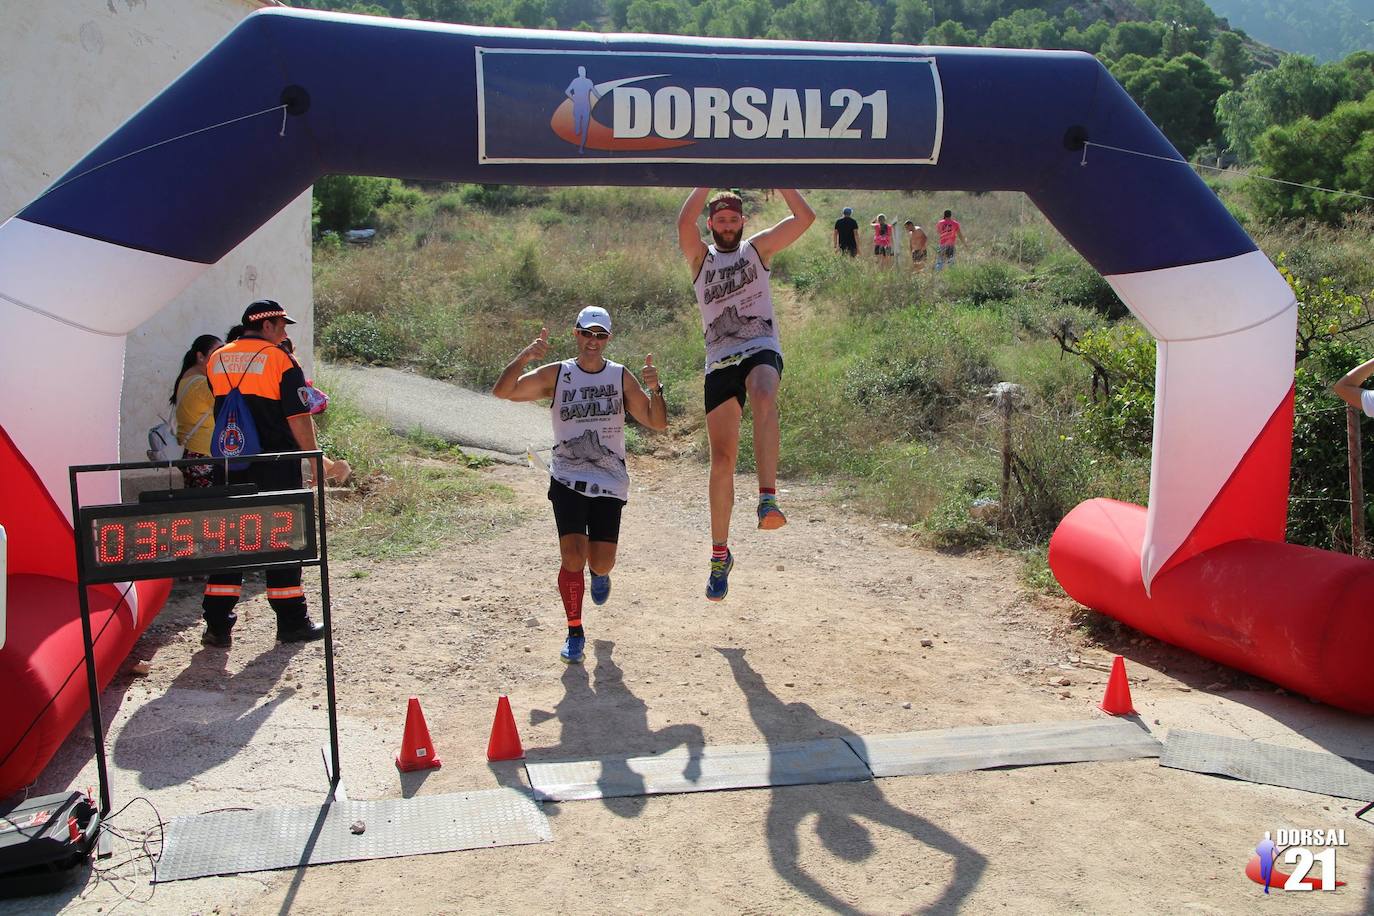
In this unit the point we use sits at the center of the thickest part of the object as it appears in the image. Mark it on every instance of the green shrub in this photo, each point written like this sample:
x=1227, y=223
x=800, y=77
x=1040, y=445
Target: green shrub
x=1118, y=417
x=1319, y=494
x=952, y=526
x=1026, y=245
x=982, y=282
x=361, y=336
x=349, y=201
x=1073, y=281
x=502, y=197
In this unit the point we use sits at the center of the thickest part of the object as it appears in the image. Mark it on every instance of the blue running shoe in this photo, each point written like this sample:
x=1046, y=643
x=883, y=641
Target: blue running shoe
x=770, y=516
x=718, y=585
x=601, y=588
x=572, y=650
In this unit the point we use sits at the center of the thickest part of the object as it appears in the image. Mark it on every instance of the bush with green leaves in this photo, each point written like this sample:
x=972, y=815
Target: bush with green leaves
x=1118, y=416
x=361, y=336
x=343, y=202
x=1073, y=281
x=502, y=197
x=1319, y=494
x=982, y=282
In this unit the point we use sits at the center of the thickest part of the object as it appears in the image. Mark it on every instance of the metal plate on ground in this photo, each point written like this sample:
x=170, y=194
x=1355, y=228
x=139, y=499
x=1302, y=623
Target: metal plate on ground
x=1270, y=764
x=954, y=750
x=741, y=766
x=229, y=842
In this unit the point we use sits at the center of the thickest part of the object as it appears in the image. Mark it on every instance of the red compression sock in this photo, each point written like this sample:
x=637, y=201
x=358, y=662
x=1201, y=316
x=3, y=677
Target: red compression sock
x=571, y=586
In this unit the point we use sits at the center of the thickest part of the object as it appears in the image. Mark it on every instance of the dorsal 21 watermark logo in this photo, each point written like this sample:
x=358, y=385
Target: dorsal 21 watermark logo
x=1295, y=848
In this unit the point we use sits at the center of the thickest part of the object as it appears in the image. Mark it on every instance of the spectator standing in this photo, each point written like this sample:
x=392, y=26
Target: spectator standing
x=916, y=242
x=195, y=409
x=882, y=240
x=950, y=234
x=846, y=235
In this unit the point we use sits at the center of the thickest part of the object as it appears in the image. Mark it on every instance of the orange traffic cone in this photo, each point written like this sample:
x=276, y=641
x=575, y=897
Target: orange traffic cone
x=505, y=740
x=417, y=751
x=1117, y=700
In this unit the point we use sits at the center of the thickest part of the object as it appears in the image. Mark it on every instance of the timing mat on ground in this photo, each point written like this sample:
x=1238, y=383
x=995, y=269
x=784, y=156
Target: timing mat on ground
x=1270, y=764
x=229, y=842
x=705, y=769
x=953, y=750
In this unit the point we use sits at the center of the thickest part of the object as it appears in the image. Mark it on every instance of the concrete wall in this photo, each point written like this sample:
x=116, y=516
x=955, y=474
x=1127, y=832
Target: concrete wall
x=71, y=71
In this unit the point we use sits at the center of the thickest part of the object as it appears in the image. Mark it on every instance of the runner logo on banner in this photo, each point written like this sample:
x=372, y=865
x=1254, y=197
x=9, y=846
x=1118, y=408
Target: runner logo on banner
x=595, y=106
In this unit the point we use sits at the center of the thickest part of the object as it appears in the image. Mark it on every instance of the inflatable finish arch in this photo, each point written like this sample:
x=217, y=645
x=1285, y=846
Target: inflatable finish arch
x=138, y=219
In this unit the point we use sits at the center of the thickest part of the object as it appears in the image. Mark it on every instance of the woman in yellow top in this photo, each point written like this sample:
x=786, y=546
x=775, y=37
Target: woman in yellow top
x=195, y=406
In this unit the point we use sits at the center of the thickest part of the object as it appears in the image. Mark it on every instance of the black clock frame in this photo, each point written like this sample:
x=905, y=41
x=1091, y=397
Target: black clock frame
x=96, y=572
x=233, y=495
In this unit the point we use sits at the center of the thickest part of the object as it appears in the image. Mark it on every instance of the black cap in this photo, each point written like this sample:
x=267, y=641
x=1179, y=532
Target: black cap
x=263, y=309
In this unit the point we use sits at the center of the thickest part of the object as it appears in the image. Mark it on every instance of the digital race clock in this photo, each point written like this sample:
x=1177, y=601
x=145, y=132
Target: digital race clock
x=188, y=536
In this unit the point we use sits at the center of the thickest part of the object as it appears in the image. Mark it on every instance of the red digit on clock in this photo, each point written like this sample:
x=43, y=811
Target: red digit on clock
x=216, y=534
x=110, y=543
x=286, y=521
x=256, y=542
x=146, y=540
x=183, y=542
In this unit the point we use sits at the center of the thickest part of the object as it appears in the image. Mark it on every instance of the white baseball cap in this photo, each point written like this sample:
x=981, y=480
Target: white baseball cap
x=594, y=316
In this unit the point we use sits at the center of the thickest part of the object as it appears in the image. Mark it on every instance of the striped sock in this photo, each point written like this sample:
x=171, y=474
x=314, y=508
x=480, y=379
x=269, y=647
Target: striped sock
x=719, y=551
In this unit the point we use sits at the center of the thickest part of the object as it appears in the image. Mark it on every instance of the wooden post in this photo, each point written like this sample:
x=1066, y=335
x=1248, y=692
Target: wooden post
x=1005, y=395
x=1352, y=440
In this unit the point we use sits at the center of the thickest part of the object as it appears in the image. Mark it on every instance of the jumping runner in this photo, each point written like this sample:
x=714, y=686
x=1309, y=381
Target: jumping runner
x=743, y=353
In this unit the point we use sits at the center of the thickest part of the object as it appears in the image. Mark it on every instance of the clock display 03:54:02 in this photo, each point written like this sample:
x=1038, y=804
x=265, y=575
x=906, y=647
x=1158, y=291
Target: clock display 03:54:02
x=180, y=536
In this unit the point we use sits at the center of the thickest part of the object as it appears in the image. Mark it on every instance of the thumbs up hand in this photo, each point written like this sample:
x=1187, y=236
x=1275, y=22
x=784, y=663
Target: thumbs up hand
x=539, y=346
x=650, y=373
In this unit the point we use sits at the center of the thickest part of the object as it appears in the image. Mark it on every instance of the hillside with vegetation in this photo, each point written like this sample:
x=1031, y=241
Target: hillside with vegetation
x=1325, y=29
x=888, y=371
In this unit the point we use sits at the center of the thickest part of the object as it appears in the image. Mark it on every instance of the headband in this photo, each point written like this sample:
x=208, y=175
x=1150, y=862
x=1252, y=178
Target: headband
x=727, y=203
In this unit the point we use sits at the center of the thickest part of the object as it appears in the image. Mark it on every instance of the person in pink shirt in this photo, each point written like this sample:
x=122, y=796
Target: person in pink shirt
x=882, y=240
x=949, y=234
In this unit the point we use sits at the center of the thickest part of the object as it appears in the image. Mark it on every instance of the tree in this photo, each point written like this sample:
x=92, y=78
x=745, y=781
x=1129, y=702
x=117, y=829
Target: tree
x=910, y=20
x=1179, y=95
x=1336, y=151
x=1143, y=38
x=1298, y=87
x=734, y=18
x=1230, y=58
x=348, y=201
x=1025, y=28
x=826, y=20
x=1090, y=39
x=659, y=17
x=951, y=34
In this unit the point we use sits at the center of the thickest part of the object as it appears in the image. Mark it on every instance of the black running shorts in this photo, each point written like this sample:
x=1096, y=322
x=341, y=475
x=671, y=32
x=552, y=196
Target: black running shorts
x=598, y=517
x=728, y=381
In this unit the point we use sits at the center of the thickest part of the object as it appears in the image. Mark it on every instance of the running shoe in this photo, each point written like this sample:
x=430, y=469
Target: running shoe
x=770, y=516
x=601, y=588
x=718, y=585
x=572, y=650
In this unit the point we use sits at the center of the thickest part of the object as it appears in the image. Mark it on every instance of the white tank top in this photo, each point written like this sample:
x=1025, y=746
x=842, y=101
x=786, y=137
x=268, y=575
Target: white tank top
x=589, y=430
x=736, y=305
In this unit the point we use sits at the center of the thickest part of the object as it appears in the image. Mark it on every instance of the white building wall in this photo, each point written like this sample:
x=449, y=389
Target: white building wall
x=71, y=71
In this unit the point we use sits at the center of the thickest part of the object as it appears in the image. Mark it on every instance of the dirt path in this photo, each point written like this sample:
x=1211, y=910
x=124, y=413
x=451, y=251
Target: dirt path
x=822, y=635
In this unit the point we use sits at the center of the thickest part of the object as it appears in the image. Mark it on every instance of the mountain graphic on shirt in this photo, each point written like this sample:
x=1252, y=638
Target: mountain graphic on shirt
x=730, y=327
x=586, y=453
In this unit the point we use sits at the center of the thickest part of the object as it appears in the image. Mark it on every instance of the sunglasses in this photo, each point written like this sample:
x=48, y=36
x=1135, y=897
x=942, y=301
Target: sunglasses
x=599, y=335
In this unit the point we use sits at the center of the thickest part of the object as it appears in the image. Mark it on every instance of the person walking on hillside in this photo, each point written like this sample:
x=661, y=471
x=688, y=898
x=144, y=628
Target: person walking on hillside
x=846, y=234
x=882, y=240
x=273, y=387
x=195, y=409
x=589, y=480
x=743, y=351
x=916, y=242
x=948, y=231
